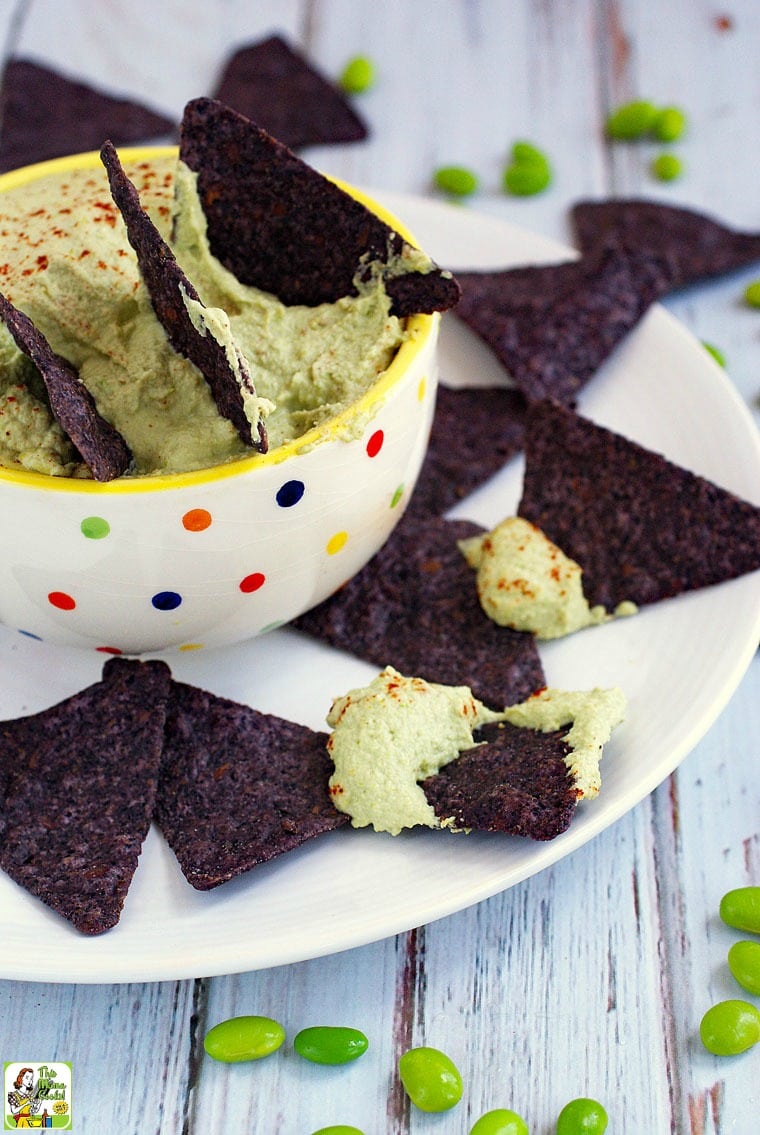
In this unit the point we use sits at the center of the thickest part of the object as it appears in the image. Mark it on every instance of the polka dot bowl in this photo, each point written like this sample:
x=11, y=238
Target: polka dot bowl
x=212, y=557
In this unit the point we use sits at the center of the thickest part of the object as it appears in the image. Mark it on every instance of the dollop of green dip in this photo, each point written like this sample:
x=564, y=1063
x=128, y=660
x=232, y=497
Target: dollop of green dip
x=526, y=582
x=591, y=714
x=395, y=732
x=391, y=734
x=70, y=267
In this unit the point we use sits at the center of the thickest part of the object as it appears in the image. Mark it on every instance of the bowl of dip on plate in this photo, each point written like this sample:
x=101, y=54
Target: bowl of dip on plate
x=203, y=542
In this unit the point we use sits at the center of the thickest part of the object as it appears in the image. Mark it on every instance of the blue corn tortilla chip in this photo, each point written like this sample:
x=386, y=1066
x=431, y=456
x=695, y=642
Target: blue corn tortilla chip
x=167, y=286
x=100, y=445
x=45, y=115
x=695, y=245
x=552, y=326
x=641, y=527
x=77, y=787
x=281, y=226
x=276, y=86
x=514, y=781
x=475, y=431
x=414, y=607
x=238, y=787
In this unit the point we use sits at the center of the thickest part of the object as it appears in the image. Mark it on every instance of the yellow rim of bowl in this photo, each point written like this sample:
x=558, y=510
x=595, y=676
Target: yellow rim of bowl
x=419, y=329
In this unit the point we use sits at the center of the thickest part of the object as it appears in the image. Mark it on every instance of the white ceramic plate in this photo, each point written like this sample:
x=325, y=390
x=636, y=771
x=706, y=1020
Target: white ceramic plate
x=678, y=663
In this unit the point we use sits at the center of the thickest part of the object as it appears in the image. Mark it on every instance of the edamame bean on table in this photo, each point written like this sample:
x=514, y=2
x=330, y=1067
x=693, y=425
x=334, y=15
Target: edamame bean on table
x=744, y=963
x=730, y=1027
x=328, y=1044
x=430, y=1078
x=244, y=1038
x=500, y=1121
x=582, y=1116
x=358, y=75
x=457, y=181
x=740, y=908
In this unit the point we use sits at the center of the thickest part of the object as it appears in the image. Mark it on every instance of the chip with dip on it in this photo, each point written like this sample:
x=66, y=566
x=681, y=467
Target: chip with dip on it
x=278, y=224
x=47, y=115
x=410, y=753
x=102, y=447
x=201, y=334
x=238, y=787
x=279, y=88
x=640, y=527
x=414, y=606
x=694, y=245
x=552, y=326
x=80, y=782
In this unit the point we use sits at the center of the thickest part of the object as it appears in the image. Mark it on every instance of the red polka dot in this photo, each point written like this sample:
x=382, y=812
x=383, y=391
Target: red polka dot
x=252, y=582
x=375, y=443
x=108, y=649
x=61, y=600
x=196, y=519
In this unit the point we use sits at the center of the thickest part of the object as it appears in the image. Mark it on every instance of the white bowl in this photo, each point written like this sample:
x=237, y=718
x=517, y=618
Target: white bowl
x=222, y=554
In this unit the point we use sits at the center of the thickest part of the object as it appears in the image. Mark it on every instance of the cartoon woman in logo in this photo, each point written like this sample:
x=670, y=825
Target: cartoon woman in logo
x=23, y=1101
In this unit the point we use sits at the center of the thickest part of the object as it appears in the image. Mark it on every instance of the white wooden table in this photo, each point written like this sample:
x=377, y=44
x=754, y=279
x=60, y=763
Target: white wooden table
x=591, y=977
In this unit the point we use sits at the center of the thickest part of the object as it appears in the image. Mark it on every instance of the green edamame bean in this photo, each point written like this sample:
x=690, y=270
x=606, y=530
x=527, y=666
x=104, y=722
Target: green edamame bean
x=456, y=180
x=500, y=1121
x=326, y=1044
x=669, y=124
x=730, y=1027
x=358, y=75
x=243, y=1038
x=744, y=963
x=740, y=908
x=716, y=353
x=338, y=1129
x=667, y=167
x=582, y=1116
x=752, y=297
x=431, y=1079
x=528, y=171
x=632, y=120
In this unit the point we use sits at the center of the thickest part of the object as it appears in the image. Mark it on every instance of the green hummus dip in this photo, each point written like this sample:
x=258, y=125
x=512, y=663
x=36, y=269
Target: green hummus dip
x=70, y=268
x=526, y=582
x=397, y=731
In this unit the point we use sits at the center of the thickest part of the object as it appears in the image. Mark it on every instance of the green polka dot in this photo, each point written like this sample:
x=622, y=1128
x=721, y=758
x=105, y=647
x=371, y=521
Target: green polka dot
x=95, y=527
x=397, y=496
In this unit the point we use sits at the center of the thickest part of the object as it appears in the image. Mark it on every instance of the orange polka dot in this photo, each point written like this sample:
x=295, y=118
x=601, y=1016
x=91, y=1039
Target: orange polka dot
x=196, y=519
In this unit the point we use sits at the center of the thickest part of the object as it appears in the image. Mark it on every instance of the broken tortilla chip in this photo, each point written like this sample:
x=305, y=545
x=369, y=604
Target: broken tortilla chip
x=279, y=88
x=101, y=447
x=47, y=115
x=181, y=312
x=278, y=224
x=514, y=781
x=80, y=783
x=552, y=326
x=238, y=787
x=414, y=607
x=641, y=528
x=694, y=245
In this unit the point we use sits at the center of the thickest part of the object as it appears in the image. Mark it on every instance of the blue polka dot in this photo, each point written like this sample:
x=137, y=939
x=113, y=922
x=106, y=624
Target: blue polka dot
x=166, y=600
x=30, y=634
x=290, y=493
